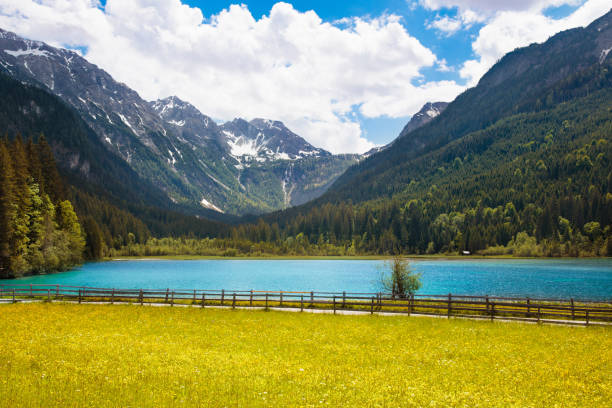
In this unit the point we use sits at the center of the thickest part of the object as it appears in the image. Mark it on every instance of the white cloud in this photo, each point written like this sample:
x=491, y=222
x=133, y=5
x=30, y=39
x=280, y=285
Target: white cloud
x=450, y=25
x=508, y=30
x=287, y=65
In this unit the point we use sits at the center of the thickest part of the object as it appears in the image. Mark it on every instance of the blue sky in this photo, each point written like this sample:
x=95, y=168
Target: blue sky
x=345, y=75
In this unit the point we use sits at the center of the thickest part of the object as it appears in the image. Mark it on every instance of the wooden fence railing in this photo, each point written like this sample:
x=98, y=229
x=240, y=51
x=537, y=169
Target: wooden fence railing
x=487, y=307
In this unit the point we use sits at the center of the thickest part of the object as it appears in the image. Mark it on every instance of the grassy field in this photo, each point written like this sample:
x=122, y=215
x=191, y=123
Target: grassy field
x=111, y=356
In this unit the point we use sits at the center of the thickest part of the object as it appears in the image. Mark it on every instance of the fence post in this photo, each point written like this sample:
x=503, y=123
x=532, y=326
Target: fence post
x=449, y=305
x=31, y=294
x=266, y=300
x=311, y=299
x=539, y=314
x=487, y=304
x=194, y=296
x=343, y=299
x=573, y=312
x=281, y=299
x=56, y=291
x=234, y=301
x=141, y=297
x=167, y=291
x=372, y=306
x=528, y=308
x=222, y=296
x=410, y=304
x=49, y=295
x=79, y=296
x=587, y=318
x=492, y=311
x=302, y=303
x=203, y=299
x=113, y=296
x=13, y=295
x=334, y=304
x=251, y=298
x=172, y=299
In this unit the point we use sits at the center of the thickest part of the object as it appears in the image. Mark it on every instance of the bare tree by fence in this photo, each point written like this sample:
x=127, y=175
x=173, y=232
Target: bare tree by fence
x=398, y=279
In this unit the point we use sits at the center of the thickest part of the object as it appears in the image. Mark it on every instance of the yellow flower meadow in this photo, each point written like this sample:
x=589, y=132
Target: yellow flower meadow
x=132, y=356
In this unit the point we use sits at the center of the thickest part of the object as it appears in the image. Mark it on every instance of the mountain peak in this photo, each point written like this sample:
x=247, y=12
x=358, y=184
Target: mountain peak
x=428, y=112
x=261, y=124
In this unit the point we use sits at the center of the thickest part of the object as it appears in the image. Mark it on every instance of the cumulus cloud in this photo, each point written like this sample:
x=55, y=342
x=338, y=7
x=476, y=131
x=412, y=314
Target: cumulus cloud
x=287, y=65
x=506, y=25
x=450, y=25
x=508, y=30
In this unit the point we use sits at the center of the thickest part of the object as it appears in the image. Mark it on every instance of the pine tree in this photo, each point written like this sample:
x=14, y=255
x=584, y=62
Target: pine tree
x=7, y=211
x=23, y=201
x=94, y=239
x=53, y=184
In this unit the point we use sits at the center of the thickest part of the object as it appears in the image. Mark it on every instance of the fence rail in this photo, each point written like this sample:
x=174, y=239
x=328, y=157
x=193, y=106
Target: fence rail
x=487, y=307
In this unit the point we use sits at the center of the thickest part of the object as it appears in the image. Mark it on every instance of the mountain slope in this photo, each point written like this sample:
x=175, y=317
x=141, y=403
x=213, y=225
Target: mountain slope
x=425, y=115
x=103, y=187
x=167, y=142
x=515, y=84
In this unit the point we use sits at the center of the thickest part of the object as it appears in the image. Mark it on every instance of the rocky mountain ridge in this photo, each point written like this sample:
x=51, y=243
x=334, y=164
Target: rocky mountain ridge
x=183, y=152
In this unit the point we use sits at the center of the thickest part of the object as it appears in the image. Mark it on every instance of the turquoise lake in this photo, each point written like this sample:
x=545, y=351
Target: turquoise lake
x=580, y=279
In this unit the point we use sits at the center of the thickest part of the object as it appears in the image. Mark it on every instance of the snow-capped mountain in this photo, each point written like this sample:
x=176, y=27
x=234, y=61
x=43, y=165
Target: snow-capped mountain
x=170, y=143
x=263, y=140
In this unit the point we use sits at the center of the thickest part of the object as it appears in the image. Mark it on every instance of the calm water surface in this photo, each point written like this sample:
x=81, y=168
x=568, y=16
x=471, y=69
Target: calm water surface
x=586, y=279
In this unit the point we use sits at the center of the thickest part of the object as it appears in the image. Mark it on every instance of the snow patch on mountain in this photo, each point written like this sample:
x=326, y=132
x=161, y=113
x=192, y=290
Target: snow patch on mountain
x=207, y=204
x=432, y=113
x=127, y=123
x=29, y=51
x=604, y=54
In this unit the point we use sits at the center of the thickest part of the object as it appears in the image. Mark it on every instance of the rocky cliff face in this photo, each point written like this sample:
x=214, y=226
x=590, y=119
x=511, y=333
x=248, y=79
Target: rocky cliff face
x=428, y=112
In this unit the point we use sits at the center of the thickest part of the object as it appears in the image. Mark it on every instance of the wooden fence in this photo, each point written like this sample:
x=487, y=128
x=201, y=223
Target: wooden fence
x=486, y=307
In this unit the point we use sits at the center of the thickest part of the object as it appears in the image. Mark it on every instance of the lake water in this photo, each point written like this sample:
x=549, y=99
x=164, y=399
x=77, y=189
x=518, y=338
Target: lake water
x=581, y=279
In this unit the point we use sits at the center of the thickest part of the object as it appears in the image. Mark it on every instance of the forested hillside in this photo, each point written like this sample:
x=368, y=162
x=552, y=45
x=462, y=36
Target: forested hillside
x=39, y=230
x=570, y=64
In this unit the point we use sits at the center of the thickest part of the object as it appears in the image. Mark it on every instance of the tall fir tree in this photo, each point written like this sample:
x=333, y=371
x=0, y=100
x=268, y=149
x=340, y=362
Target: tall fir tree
x=7, y=210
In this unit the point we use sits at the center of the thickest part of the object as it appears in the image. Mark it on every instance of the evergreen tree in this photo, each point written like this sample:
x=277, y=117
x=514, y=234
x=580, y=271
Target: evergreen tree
x=7, y=211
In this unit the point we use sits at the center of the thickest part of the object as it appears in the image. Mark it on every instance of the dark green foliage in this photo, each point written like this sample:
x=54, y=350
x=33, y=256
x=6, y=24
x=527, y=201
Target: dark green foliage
x=95, y=246
x=37, y=233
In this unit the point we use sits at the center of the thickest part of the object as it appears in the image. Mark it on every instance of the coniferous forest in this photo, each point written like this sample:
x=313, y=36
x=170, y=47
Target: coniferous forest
x=39, y=229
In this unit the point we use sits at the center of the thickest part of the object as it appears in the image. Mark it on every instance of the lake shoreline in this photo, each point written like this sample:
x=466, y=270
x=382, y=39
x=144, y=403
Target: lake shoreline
x=339, y=258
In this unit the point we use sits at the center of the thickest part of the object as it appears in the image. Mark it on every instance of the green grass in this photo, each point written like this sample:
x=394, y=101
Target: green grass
x=91, y=355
